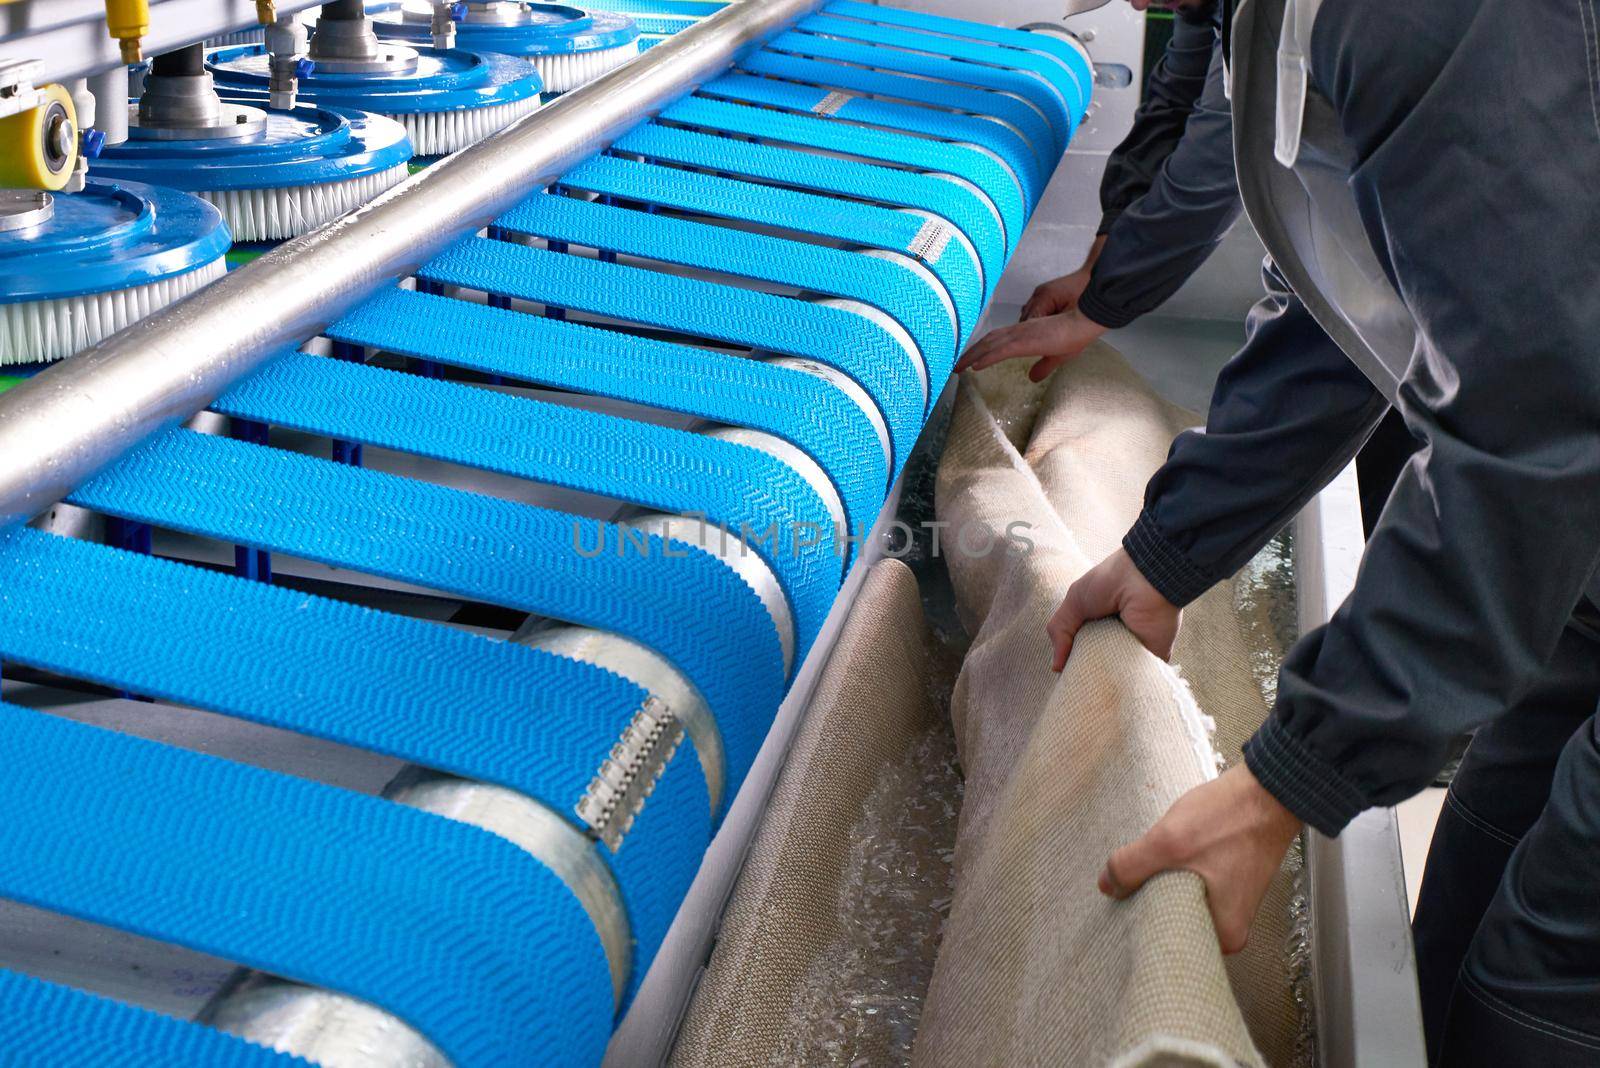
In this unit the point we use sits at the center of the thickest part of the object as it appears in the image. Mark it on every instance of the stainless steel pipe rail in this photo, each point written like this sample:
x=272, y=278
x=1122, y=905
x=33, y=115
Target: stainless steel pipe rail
x=67, y=423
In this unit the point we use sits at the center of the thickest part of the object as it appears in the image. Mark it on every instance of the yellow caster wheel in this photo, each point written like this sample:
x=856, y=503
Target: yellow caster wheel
x=39, y=147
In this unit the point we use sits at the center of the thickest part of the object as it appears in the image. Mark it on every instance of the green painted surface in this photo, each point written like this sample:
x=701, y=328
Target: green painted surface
x=239, y=255
x=7, y=381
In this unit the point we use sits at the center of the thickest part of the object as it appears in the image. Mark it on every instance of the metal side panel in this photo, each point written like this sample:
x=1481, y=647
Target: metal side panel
x=1364, y=971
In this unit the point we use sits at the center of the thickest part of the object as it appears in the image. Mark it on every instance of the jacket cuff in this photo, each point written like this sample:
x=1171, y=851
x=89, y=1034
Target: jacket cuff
x=1169, y=570
x=1099, y=310
x=1107, y=219
x=1302, y=782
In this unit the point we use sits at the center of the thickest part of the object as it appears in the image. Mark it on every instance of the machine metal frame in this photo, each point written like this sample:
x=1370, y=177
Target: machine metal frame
x=68, y=38
x=70, y=421
x=62, y=426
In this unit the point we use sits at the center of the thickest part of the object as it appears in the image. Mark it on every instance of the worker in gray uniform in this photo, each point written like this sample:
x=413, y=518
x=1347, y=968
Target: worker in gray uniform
x=1434, y=247
x=1167, y=198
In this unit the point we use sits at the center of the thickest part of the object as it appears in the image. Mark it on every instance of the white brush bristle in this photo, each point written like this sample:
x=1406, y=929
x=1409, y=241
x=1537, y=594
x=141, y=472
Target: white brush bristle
x=564, y=73
x=254, y=35
x=439, y=133
x=42, y=330
x=279, y=214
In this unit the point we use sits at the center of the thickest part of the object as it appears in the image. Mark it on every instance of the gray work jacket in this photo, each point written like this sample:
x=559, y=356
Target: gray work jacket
x=1446, y=234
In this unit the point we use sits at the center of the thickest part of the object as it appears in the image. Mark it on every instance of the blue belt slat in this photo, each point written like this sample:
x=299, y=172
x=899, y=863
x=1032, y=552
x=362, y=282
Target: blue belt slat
x=846, y=221
x=800, y=408
x=883, y=285
x=657, y=467
x=843, y=177
x=994, y=79
x=484, y=710
x=363, y=520
x=861, y=349
x=1053, y=79
x=655, y=881
x=972, y=30
x=459, y=933
x=1046, y=143
x=498, y=551
x=1021, y=167
x=43, y=1025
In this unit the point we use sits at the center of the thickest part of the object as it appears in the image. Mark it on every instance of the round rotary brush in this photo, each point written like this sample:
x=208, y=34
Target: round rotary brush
x=77, y=267
x=446, y=99
x=568, y=46
x=273, y=174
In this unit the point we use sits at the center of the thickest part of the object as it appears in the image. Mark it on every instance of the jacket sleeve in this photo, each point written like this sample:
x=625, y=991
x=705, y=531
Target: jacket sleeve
x=1154, y=243
x=1288, y=413
x=1491, y=536
x=1170, y=94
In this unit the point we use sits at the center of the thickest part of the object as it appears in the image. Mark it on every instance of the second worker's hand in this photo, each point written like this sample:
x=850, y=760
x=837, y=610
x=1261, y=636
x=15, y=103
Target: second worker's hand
x=1056, y=296
x=1050, y=341
x=1061, y=294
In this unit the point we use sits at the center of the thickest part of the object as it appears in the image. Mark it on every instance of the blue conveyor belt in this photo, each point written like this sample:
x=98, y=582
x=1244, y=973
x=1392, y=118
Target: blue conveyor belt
x=886, y=286
x=865, y=352
x=843, y=221
x=447, y=700
x=1007, y=147
x=941, y=68
x=838, y=160
x=987, y=107
x=453, y=930
x=1008, y=38
x=656, y=467
x=50, y=1026
x=712, y=385
x=1052, y=78
x=994, y=238
x=482, y=547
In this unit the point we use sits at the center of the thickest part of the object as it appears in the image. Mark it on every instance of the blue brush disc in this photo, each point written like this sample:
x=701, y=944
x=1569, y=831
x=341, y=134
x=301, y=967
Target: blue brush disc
x=443, y=80
x=308, y=145
x=113, y=235
x=544, y=30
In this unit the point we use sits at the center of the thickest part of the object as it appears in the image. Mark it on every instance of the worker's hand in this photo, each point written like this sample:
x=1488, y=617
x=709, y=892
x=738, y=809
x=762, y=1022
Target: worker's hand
x=1051, y=341
x=1056, y=296
x=1115, y=587
x=1231, y=832
x=1061, y=294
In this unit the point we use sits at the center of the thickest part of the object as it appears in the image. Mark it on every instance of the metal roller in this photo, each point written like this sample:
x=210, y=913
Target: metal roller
x=727, y=547
x=891, y=327
x=338, y=1031
x=928, y=278
x=652, y=673
x=844, y=384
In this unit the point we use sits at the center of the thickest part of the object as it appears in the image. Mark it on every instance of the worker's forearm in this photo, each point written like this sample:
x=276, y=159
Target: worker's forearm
x=1175, y=84
x=1155, y=244
x=1464, y=589
x=1288, y=412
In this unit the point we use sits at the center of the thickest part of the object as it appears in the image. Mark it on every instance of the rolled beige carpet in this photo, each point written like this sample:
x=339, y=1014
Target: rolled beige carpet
x=1036, y=967
x=871, y=706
